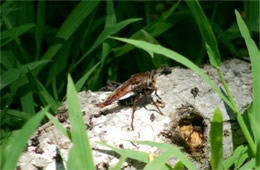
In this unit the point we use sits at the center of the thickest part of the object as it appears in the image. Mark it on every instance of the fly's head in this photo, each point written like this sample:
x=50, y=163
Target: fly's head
x=164, y=69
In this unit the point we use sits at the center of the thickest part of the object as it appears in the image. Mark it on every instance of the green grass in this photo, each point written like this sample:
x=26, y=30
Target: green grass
x=80, y=154
x=216, y=147
x=160, y=161
x=41, y=45
x=14, y=149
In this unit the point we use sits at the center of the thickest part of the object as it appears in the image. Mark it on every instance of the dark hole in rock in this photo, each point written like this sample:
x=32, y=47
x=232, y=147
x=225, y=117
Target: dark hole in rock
x=187, y=130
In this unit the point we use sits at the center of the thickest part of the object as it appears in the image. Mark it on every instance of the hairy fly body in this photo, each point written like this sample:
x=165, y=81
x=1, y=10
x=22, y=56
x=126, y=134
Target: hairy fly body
x=139, y=84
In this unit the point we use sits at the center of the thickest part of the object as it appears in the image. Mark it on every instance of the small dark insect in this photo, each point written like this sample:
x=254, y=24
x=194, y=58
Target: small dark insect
x=194, y=91
x=152, y=117
x=140, y=84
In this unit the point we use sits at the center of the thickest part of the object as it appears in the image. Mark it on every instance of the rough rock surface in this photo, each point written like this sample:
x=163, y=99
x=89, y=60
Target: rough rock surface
x=182, y=91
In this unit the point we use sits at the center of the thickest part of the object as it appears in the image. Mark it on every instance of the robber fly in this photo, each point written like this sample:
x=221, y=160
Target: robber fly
x=139, y=84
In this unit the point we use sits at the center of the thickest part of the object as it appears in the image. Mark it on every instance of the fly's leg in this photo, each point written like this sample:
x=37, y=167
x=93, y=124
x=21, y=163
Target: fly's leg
x=133, y=111
x=155, y=91
x=157, y=94
x=157, y=106
x=147, y=94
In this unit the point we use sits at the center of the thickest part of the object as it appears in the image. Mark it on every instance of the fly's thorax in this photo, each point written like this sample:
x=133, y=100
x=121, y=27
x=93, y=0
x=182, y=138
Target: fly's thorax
x=140, y=87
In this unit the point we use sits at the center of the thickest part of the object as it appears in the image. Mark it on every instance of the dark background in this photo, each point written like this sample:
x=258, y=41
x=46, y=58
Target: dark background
x=30, y=89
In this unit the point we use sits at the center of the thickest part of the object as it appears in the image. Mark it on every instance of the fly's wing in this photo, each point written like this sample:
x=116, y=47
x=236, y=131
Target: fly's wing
x=117, y=94
x=135, y=82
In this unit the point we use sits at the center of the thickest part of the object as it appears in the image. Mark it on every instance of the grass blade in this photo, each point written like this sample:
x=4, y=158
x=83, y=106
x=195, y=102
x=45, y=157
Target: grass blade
x=73, y=162
x=169, y=148
x=177, y=57
x=27, y=103
x=137, y=155
x=9, y=77
x=255, y=63
x=78, y=129
x=11, y=34
x=13, y=74
x=235, y=156
x=18, y=42
x=159, y=161
x=80, y=83
x=103, y=36
x=153, y=28
x=250, y=164
x=60, y=64
x=95, y=81
x=106, y=48
x=30, y=66
x=40, y=20
x=58, y=125
x=215, y=61
x=111, y=16
x=222, y=37
x=120, y=162
x=19, y=114
x=178, y=165
x=216, y=147
x=157, y=60
x=8, y=60
x=15, y=148
x=239, y=162
x=44, y=95
x=75, y=19
x=251, y=11
x=206, y=32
